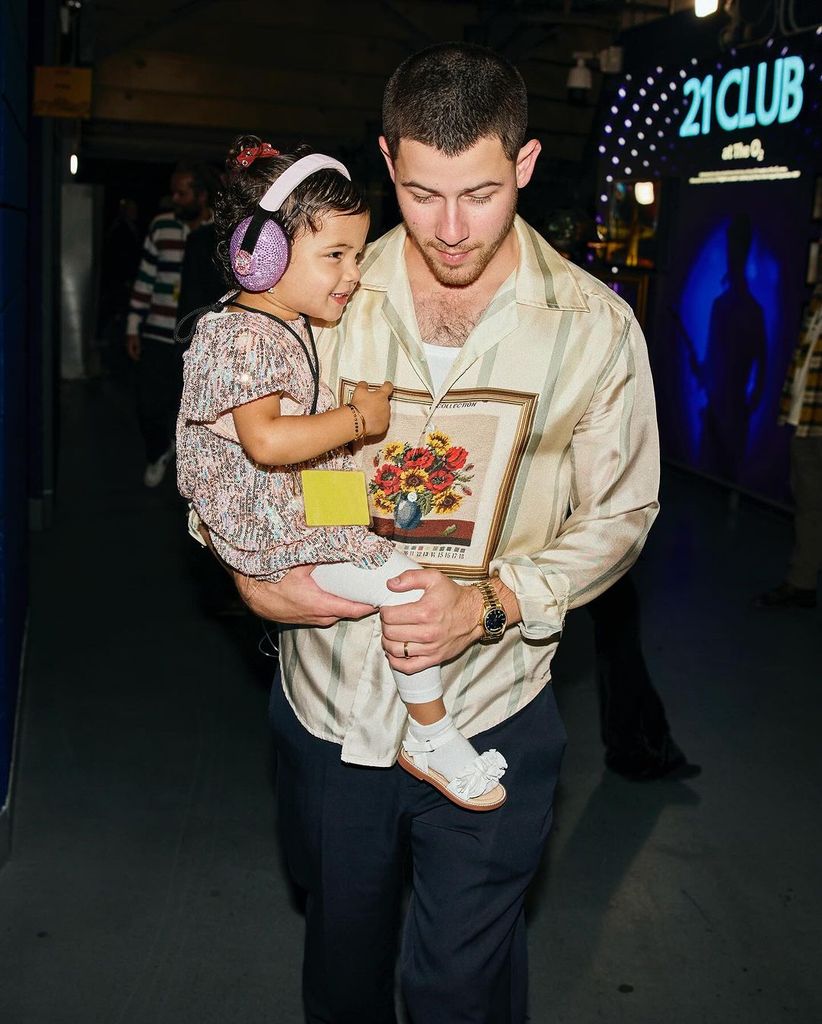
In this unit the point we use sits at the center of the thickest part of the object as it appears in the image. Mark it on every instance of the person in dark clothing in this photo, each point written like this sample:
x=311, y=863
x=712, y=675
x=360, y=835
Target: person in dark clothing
x=152, y=314
x=122, y=245
x=201, y=282
x=633, y=726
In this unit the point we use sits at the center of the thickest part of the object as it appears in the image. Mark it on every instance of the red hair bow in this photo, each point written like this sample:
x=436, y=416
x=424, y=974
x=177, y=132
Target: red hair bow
x=246, y=157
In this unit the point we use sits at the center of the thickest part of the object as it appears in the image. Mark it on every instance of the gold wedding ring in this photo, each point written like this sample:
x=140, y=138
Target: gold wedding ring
x=405, y=648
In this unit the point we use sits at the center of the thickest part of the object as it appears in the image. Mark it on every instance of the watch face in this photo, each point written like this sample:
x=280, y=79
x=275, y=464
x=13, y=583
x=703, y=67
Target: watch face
x=495, y=620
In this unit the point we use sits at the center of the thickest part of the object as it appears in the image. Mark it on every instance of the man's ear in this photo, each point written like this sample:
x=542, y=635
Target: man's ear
x=526, y=159
x=387, y=156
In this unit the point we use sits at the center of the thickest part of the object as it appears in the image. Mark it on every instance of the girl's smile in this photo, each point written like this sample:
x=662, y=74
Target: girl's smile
x=324, y=270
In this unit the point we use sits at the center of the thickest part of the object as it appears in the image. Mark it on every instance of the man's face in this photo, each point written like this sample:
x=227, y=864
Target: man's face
x=188, y=204
x=458, y=210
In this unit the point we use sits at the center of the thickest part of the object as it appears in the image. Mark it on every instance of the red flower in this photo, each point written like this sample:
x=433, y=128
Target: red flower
x=455, y=458
x=440, y=480
x=418, y=458
x=387, y=478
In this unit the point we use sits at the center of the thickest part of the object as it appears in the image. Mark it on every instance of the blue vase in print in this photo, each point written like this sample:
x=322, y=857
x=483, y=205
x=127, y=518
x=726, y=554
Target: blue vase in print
x=408, y=512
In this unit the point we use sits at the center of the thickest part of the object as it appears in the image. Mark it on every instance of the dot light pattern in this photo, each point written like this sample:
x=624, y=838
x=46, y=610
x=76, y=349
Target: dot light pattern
x=656, y=103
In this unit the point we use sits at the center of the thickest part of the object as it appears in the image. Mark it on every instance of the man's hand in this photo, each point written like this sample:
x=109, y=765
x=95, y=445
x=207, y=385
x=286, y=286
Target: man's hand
x=133, y=347
x=297, y=599
x=441, y=625
x=438, y=627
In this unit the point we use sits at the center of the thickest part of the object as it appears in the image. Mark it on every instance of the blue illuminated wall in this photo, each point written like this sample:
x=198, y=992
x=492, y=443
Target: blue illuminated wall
x=13, y=344
x=733, y=147
x=725, y=329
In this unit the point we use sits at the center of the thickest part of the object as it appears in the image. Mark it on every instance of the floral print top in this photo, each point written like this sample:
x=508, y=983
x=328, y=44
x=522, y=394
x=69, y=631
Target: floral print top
x=255, y=512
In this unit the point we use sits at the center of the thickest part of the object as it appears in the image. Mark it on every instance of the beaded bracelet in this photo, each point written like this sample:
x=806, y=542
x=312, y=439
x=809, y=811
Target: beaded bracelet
x=359, y=421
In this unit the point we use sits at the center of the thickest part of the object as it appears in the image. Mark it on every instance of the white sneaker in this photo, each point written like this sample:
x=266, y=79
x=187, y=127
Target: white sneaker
x=155, y=471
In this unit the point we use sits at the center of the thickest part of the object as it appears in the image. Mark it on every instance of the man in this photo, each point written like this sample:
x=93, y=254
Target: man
x=201, y=281
x=521, y=459
x=153, y=314
x=801, y=408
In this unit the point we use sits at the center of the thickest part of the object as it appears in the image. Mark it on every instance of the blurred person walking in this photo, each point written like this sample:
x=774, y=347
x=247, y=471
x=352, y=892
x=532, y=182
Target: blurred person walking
x=152, y=314
x=801, y=408
x=120, y=259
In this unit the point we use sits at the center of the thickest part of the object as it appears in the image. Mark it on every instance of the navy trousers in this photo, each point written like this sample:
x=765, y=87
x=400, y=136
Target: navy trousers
x=347, y=832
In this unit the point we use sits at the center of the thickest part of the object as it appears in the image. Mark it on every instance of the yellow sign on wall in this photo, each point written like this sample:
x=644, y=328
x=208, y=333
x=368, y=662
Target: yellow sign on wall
x=62, y=92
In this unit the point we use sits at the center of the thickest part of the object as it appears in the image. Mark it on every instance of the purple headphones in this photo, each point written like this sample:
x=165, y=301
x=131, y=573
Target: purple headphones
x=259, y=247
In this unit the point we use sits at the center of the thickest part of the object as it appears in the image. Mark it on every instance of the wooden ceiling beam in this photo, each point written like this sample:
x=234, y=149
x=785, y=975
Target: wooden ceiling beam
x=174, y=74
x=188, y=9
x=232, y=113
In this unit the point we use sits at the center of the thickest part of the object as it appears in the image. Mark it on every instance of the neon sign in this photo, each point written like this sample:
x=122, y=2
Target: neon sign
x=776, y=97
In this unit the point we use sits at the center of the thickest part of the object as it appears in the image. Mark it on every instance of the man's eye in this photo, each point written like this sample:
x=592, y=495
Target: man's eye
x=421, y=199
x=480, y=199
x=335, y=255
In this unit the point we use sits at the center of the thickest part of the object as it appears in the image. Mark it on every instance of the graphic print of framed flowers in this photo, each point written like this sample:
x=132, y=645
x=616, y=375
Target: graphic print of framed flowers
x=414, y=484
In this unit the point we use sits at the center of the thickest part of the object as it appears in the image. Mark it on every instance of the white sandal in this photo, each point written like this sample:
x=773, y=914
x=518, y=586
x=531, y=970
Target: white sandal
x=470, y=788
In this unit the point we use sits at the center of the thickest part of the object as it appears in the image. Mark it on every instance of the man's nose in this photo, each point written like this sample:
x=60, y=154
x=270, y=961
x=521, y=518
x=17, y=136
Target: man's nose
x=451, y=228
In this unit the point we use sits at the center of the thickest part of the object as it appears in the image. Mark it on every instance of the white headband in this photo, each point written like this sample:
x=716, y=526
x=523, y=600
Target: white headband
x=293, y=175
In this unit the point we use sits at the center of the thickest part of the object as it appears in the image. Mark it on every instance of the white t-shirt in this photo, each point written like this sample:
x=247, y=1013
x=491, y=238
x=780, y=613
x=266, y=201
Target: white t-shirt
x=440, y=360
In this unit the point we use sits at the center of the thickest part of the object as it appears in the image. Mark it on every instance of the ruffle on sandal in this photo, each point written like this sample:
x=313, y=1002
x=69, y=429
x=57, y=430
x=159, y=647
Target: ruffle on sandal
x=475, y=788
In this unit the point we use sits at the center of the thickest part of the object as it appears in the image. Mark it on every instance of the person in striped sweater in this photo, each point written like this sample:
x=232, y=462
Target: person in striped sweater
x=152, y=314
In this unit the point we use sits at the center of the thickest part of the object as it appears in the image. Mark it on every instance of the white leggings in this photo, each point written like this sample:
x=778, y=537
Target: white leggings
x=368, y=585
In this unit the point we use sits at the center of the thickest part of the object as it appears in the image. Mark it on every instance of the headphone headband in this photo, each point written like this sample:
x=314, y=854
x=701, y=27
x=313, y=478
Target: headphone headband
x=297, y=172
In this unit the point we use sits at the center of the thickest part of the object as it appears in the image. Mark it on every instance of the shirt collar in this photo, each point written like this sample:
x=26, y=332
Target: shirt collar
x=544, y=278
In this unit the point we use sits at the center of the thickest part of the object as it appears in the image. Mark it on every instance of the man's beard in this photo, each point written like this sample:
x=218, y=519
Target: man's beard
x=462, y=276
x=191, y=212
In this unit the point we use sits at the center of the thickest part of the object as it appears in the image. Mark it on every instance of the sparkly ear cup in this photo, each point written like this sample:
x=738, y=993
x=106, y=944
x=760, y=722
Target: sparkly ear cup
x=261, y=269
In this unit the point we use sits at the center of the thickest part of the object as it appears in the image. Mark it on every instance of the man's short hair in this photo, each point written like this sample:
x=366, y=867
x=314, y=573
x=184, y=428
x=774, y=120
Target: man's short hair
x=204, y=178
x=452, y=95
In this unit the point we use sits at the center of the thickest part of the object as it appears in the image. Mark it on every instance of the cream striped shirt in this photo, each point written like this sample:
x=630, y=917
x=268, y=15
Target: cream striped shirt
x=538, y=460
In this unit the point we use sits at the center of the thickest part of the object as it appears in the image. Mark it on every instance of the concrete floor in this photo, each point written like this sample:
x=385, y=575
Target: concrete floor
x=145, y=884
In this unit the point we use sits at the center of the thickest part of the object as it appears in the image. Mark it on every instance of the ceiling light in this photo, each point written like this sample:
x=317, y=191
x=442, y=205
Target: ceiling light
x=644, y=192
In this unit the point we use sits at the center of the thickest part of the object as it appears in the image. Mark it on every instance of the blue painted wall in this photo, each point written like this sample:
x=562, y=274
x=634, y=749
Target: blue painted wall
x=14, y=219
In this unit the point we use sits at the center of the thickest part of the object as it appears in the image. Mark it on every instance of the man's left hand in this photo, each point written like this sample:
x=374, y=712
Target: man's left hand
x=437, y=628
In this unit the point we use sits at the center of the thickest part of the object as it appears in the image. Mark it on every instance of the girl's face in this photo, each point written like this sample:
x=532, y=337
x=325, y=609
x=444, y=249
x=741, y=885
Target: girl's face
x=324, y=270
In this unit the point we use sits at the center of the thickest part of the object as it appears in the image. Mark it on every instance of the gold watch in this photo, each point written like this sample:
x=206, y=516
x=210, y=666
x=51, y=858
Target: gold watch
x=493, y=618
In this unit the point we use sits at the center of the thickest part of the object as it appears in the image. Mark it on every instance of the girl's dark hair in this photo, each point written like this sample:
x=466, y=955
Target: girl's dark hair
x=451, y=95
x=323, y=192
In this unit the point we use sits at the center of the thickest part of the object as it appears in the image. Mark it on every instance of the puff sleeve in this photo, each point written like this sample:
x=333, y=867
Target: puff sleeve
x=227, y=368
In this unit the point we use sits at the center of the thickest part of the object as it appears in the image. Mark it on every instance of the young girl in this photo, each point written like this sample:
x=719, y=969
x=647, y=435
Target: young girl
x=254, y=412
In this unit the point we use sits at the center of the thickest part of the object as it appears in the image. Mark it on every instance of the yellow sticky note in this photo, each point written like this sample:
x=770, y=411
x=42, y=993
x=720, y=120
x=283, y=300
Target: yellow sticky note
x=335, y=497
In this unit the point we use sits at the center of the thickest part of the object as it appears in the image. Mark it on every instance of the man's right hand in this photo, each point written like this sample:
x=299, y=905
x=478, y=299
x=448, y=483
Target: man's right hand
x=133, y=347
x=297, y=600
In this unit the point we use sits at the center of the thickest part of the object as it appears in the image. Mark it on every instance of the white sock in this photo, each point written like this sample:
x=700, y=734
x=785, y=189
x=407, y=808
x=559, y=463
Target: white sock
x=454, y=755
